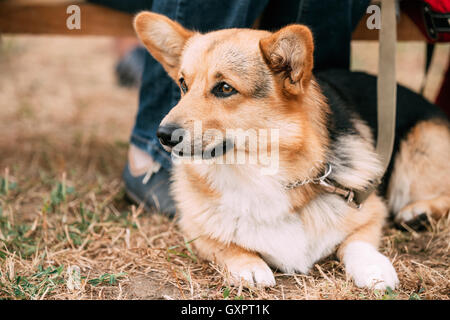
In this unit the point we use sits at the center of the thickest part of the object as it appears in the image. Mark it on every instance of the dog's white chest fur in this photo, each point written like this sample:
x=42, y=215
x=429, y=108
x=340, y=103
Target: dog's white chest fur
x=254, y=212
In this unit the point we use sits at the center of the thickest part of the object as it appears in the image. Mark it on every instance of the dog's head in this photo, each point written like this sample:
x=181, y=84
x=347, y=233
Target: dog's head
x=233, y=79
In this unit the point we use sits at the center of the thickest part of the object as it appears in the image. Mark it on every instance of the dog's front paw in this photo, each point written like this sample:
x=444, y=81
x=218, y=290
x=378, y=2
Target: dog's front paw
x=251, y=274
x=368, y=267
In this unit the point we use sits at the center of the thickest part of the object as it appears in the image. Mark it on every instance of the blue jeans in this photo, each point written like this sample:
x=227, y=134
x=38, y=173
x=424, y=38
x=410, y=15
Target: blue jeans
x=331, y=21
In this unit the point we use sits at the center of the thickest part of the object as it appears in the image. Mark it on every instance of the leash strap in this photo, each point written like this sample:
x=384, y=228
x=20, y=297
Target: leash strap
x=386, y=91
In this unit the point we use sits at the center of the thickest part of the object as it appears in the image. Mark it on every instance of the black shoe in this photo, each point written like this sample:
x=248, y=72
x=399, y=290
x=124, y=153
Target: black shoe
x=154, y=194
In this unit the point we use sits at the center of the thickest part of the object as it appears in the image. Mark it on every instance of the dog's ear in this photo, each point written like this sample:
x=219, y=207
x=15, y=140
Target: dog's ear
x=289, y=54
x=164, y=39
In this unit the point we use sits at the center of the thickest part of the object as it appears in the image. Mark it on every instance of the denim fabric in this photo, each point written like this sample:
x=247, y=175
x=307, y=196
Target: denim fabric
x=331, y=21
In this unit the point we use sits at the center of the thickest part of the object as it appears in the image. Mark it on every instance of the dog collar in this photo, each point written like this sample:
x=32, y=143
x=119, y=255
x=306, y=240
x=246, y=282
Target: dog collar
x=329, y=186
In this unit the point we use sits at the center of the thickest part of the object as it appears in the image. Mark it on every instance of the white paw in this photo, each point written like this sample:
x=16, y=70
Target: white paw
x=411, y=212
x=252, y=274
x=368, y=267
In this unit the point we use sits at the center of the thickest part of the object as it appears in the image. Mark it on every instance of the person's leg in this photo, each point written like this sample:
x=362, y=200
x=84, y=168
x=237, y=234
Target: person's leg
x=158, y=94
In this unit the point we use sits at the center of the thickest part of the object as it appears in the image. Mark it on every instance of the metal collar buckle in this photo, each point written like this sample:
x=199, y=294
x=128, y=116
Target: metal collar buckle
x=347, y=194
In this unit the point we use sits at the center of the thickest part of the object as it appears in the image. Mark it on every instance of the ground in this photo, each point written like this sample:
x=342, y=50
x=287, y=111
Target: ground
x=63, y=140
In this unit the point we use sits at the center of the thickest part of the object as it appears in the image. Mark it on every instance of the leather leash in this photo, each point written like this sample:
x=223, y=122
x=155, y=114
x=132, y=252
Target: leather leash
x=386, y=91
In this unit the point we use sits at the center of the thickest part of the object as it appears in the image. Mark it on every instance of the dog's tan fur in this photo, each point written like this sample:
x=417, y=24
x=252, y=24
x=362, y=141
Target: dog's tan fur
x=273, y=74
x=419, y=183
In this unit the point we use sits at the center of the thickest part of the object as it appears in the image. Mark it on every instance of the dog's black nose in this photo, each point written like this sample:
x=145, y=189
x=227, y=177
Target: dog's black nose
x=167, y=135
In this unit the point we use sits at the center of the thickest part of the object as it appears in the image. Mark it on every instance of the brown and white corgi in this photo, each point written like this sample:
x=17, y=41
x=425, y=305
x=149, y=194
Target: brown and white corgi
x=247, y=216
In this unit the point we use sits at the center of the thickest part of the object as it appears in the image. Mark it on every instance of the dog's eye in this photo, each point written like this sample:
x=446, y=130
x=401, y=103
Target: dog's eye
x=223, y=90
x=183, y=85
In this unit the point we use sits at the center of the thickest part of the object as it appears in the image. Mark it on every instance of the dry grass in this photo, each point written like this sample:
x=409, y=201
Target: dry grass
x=63, y=143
